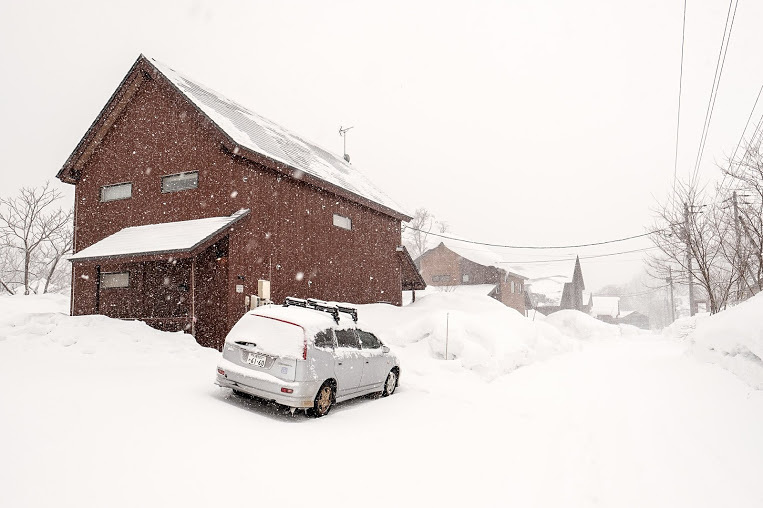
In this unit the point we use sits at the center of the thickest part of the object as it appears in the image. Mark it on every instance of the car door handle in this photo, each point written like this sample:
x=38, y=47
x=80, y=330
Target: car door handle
x=339, y=363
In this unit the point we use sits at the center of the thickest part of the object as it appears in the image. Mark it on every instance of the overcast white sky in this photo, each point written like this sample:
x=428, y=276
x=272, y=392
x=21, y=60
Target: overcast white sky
x=522, y=122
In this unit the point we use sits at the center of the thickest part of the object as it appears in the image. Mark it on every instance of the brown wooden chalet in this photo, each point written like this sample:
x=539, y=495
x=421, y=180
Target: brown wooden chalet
x=454, y=263
x=184, y=200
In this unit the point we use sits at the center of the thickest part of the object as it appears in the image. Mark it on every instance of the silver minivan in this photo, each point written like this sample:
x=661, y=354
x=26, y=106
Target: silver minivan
x=306, y=354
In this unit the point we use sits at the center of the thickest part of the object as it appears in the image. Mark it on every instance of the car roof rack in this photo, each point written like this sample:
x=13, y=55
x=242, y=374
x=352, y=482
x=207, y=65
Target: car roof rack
x=320, y=305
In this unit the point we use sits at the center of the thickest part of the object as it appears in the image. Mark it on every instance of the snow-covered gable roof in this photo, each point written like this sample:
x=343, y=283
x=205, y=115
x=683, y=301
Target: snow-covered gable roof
x=605, y=306
x=170, y=237
x=480, y=254
x=552, y=288
x=265, y=137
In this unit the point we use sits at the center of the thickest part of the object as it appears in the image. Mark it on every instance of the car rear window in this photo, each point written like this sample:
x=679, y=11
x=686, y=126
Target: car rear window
x=269, y=335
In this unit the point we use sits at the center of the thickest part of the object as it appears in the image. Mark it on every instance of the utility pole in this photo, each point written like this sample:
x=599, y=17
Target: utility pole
x=737, y=254
x=669, y=280
x=688, y=260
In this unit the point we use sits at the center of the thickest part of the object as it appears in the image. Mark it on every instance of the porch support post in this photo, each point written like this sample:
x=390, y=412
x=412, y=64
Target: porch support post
x=193, y=296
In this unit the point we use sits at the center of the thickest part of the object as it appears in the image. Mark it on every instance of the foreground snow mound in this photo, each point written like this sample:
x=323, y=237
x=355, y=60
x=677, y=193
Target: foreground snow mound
x=734, y=340
x=33, y=304
x=483, y=335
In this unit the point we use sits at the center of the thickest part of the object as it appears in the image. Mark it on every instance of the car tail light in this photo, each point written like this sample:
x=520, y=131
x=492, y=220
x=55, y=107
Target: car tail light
x=287, y=390
x=221, y=372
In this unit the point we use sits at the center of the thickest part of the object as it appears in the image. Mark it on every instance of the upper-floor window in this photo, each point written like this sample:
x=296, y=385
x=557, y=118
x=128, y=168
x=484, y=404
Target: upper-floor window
x=465, y=278
x=180, y=181
x=512, y=286
x=342, y=222
x=115, y=280
x=117, y=191
x=440, y=279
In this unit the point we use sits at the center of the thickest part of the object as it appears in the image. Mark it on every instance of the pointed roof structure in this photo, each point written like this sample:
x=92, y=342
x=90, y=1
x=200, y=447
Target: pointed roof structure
x=245, y=133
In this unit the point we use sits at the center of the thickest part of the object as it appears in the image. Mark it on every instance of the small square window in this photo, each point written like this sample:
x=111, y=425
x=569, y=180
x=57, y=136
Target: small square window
x=115, y=280
x=115, y=192
x=465, y=278
x=342, y=222
x=180, y=181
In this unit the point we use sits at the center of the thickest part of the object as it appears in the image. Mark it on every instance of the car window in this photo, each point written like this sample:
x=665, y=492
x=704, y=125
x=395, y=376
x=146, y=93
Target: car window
x=324, y=339
x=368, y=340
x=347, y=338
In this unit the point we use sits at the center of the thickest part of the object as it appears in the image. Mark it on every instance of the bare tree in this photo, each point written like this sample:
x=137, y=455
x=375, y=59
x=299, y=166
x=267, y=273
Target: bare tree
x=29, y=224
x=692, y=235
x=744, y=202
x=417, y=231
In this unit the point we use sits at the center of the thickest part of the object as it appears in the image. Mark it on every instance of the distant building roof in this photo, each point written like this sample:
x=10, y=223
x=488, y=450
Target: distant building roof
x=480, y=254
x=605, y=306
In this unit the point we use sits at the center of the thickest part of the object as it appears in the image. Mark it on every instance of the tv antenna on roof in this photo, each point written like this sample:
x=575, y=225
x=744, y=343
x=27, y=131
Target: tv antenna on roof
x=343, y=133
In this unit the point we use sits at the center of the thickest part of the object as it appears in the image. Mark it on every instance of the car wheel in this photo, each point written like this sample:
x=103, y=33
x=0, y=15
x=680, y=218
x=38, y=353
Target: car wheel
x=390, y=384
x=324, y=399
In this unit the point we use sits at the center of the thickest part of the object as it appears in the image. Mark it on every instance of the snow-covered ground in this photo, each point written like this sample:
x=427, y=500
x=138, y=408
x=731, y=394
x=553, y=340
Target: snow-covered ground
x=99, y=412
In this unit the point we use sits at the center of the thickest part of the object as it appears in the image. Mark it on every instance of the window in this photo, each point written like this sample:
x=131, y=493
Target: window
x=347, y=338
x=115, y=280
x=465, y=278
x=512, y=286
x=342, y=222
x=368, y=340
x=440, y=279
x=324, y=339
x=117, y=191
x=181, y=181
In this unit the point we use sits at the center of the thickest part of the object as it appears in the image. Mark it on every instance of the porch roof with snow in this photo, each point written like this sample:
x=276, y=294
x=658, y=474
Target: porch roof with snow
x=184, y=237
x=249, y=135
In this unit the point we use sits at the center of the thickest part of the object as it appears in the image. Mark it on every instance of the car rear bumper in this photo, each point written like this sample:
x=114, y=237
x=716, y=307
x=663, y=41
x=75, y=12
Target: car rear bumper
x=266, y=386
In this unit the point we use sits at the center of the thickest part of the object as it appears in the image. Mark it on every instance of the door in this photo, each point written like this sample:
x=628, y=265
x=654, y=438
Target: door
x=349, y=363
x=376, y=365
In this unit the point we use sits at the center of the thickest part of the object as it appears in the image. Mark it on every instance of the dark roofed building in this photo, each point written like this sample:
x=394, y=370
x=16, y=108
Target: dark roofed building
x=184, y=200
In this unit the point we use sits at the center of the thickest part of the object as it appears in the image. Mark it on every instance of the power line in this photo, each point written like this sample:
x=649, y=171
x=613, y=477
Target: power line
x=538, y=247
x=725, y=40
x=651, y=290
x=741, y=137
x=680, y=87
x=536, y=261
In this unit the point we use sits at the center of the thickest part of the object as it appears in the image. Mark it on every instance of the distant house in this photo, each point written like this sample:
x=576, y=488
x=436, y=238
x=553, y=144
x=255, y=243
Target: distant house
x=634, y=318
x=455, y=263
x=185, y=200
x=558, y=286
x=606, y=308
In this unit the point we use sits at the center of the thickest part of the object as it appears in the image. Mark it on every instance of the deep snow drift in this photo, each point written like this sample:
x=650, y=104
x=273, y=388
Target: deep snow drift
x=100, y=412
x=732, y=338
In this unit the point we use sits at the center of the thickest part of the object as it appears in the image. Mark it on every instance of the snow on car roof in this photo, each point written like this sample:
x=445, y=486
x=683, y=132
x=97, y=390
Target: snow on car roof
x=266, y=137
x=168, y=237
x=310, y=319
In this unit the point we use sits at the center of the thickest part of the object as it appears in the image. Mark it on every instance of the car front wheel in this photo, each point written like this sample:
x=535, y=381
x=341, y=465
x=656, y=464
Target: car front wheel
x=390, y=384
x=324, y=399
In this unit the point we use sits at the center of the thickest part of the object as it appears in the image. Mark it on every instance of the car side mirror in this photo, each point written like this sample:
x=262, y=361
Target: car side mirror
x=385, y=349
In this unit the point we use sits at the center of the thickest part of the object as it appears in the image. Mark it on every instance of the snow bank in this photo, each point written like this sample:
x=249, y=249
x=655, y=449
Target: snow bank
x=483, y=335
x=733, y=339
x=583, y=327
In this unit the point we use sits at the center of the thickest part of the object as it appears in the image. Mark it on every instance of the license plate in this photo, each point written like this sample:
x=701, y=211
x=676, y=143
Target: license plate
x=256, y=360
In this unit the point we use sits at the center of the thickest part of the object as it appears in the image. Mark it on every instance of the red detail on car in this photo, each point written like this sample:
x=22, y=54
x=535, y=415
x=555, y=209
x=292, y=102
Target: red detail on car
x=287, y=390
